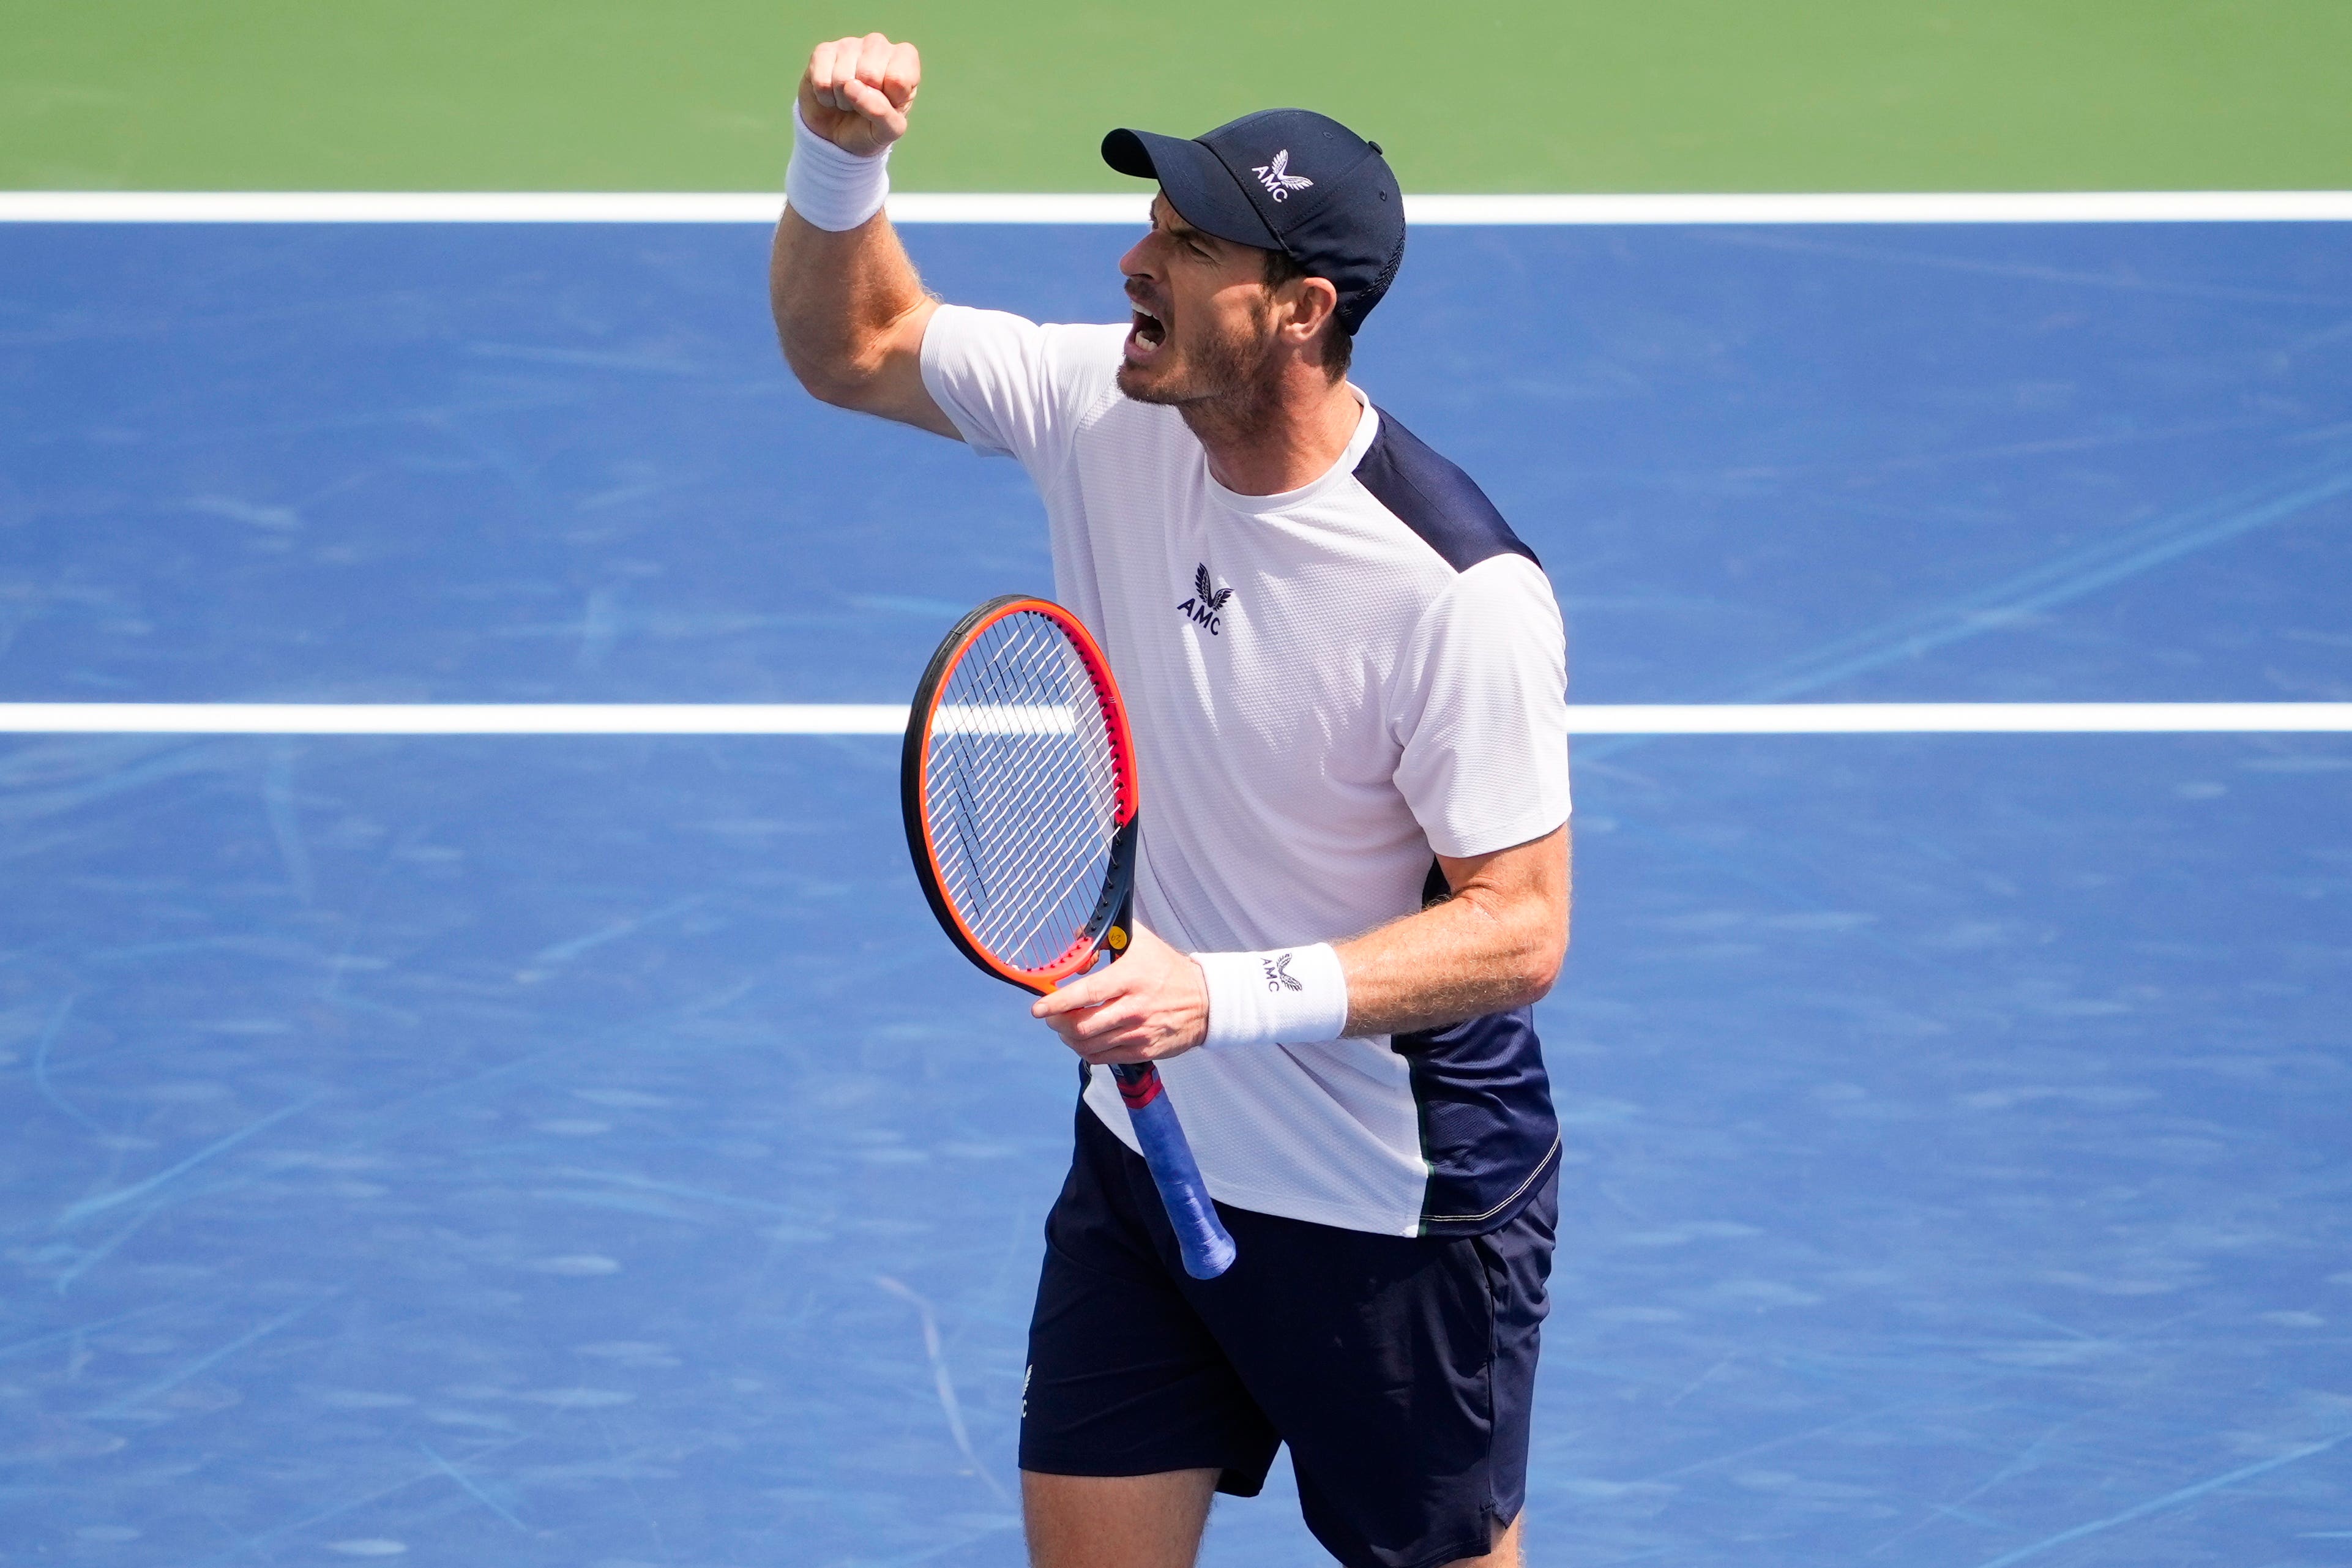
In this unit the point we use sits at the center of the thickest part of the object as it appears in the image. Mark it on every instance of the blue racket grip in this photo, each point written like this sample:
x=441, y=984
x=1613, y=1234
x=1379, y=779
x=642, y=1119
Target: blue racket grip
x=1200, y=1237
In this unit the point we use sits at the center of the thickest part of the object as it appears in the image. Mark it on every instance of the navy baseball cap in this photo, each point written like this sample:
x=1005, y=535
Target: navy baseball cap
x=1288, y=180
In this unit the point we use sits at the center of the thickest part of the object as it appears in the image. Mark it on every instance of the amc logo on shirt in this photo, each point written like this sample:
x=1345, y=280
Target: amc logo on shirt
x=1202, y=609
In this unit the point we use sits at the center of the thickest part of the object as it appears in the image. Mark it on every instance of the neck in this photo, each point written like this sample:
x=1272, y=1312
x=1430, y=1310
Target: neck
x=1276, y=436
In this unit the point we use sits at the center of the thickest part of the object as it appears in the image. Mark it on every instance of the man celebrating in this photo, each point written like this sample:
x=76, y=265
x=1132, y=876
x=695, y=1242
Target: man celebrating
x=1346, y=676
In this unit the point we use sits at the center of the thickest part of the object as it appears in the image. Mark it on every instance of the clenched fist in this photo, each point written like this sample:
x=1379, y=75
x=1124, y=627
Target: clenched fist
x=855, y=91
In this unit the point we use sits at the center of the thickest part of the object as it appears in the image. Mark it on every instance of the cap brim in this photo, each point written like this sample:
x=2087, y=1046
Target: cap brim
x=1202, y=191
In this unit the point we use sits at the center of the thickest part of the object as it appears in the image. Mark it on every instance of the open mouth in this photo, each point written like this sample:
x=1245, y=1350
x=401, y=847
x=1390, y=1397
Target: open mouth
x=1145, y=337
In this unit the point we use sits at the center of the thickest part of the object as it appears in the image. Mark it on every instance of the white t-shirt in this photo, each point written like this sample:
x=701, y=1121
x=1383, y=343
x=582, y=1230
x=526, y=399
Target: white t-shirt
x=1327, y=687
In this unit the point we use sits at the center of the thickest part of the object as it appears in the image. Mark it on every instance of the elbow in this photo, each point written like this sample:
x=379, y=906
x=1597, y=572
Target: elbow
x=836, y=391
x=1528, y=947
x=1534, y=982
x=830, y=378
x=827, y=357
x=1540, y=966
x=863, y=365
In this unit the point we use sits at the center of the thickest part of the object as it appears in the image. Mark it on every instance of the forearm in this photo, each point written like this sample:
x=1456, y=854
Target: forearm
x=1457, y=960
x=1495, y=943
x=850, y=312
x=843, y=302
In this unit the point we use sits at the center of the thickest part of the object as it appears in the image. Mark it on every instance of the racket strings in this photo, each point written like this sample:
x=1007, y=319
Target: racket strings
x=982, y=784
x=1022, y=802
x=1044, y=744
x=1022, y=728
x=1022, y=791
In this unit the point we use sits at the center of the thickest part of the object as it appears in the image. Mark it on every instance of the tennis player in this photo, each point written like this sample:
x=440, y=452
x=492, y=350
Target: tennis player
x=1347, y=680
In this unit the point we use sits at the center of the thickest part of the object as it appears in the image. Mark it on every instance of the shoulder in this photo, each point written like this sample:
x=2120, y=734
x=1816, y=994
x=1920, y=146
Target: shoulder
x=1009, y=385
x=1434, y=498
x=1088, y=349
x=963, y=333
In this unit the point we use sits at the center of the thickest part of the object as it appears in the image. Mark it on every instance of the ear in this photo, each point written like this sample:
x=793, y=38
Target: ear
x=1313, y=302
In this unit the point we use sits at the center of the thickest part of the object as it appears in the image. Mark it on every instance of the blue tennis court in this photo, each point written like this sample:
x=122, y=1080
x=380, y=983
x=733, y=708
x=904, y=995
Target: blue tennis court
x=586, y=1151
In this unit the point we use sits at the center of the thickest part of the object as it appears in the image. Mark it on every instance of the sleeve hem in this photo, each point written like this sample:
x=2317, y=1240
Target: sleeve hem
x=927, y=361
x=1506, y=834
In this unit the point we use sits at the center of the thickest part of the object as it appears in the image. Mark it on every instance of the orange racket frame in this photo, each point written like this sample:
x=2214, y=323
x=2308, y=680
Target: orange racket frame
x=1108, y=923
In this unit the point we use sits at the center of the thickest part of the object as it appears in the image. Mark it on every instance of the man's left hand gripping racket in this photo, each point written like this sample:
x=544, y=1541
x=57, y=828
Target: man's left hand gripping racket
x=1018, y=781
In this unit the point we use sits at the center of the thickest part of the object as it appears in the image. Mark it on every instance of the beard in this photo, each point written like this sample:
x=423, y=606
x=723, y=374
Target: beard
x=1235, y=369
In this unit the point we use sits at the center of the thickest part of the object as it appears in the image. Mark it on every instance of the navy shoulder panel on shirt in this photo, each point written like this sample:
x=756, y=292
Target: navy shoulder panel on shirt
x=1434, y=498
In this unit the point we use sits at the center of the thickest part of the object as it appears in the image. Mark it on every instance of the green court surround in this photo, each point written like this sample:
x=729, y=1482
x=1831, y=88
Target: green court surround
x=1673, y=95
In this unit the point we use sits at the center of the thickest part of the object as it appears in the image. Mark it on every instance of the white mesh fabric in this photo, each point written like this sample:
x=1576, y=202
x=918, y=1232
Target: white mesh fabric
x=1357, y=705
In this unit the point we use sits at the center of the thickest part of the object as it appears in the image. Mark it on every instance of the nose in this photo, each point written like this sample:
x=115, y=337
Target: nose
x=1136, y=263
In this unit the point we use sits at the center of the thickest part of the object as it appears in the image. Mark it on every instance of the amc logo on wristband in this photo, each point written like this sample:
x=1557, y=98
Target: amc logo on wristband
x=1254, y=999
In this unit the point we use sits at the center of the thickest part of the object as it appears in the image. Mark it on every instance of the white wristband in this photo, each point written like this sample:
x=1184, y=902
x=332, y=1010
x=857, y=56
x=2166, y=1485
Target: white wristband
x=1295, y=996
x=832, y=189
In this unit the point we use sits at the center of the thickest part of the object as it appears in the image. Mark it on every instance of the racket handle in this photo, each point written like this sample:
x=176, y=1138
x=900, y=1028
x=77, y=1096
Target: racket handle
x=1200, y=1237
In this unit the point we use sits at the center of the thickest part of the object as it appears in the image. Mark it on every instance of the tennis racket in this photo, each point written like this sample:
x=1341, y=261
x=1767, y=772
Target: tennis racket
x=1018, y=784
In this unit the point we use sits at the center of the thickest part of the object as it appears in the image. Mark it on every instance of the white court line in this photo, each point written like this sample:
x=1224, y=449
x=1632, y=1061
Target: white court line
x=887, y=719
x=1128, y=209
x=1959, y=718
x=453, y=718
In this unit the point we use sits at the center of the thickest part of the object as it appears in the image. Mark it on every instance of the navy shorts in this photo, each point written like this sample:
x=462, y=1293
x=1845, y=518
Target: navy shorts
x=1399, y=1370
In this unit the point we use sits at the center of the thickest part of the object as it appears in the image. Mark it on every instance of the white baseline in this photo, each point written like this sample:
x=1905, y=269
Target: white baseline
x=1129, y=208
x=890, y=719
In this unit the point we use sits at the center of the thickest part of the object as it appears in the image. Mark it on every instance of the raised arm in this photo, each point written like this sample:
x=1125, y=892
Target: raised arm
x=850, y=311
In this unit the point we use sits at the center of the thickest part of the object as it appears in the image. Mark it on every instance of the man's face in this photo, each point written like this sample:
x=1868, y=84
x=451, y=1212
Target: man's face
x=1204, y=324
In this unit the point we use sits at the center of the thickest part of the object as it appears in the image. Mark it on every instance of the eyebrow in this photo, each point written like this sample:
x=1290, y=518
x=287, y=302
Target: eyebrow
x=1175, y=227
